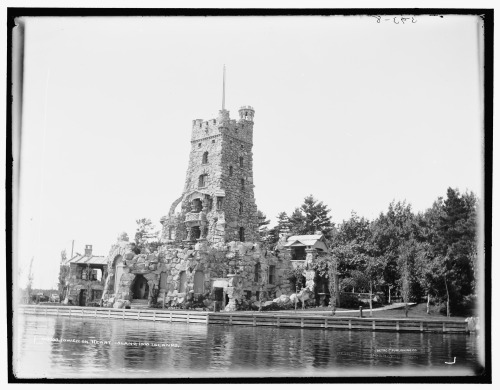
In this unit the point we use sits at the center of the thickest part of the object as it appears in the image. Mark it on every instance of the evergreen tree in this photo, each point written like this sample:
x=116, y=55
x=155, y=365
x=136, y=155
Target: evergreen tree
x=145, y=232
x=316, y=217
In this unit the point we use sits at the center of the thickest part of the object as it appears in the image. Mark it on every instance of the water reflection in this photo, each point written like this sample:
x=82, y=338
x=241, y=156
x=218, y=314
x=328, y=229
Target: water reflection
x=106, y=349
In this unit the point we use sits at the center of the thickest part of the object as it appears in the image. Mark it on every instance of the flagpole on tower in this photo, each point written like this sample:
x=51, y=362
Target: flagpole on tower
x=224, y=87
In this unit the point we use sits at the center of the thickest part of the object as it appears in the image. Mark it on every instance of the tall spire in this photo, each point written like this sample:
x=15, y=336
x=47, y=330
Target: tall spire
x=224, y=87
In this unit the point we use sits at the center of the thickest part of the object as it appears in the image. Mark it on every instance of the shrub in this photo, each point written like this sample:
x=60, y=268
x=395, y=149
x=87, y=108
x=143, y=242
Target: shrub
x=271, y=307
x=349, y=301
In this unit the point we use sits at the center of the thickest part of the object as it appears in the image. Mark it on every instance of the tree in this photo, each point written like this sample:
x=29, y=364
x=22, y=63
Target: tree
x=123, y=237
x=316, y=217
x=284, y=223
x=406, y=268
x=297, y=222
x=311, y=217
x=262, y=219
x=451, y=231
x=145, y=232
x=389, y=232
x=350, y=243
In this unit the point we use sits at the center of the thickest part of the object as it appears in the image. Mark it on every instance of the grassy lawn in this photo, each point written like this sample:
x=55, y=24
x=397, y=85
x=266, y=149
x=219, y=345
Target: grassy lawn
x=416, y=311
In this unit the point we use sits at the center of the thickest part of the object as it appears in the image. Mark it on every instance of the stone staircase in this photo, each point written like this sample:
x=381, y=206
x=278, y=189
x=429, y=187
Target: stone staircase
x=139, y=304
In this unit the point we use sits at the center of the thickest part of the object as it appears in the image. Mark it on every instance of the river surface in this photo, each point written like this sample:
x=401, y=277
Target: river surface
x=62, y=347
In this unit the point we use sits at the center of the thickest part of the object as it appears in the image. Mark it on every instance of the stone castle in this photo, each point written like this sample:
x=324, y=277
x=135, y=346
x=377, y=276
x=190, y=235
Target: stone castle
x=210, y=248
x=218, y=203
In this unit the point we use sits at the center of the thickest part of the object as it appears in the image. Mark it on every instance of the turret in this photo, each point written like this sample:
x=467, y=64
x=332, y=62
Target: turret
x=246, y=113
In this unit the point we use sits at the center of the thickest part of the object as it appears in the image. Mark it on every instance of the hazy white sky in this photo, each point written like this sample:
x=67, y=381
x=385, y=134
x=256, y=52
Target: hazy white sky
x=355, y=112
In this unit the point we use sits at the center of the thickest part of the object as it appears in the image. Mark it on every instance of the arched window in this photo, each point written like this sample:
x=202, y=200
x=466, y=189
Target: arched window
x=241, y=208
x=242, y=181
x=242, y=234
x=256, y=276
x=205, y=158
x=202, y=181
x=231, y=170
x=241, y=162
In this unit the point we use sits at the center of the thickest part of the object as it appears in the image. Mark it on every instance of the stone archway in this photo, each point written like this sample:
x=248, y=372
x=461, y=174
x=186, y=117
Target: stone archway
x=139, y=289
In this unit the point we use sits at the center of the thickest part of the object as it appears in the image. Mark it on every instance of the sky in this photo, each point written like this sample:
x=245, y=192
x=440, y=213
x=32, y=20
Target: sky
x=356, y=113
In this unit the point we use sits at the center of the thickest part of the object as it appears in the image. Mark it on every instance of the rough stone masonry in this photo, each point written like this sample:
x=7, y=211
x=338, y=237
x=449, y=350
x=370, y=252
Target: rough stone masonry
x=211, y=245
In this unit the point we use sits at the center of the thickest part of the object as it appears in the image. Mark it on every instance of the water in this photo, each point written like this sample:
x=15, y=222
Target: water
x=97, y=348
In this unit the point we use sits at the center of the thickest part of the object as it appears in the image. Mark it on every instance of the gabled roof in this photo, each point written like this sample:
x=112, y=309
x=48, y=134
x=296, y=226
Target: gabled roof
x=92, y=260
x=316, y=241
x=307, y=240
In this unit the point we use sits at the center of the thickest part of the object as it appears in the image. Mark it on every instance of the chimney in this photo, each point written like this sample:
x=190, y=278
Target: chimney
x=88, y=250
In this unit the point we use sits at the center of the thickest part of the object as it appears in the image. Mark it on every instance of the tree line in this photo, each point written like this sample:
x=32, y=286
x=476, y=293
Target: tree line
x=430, y=254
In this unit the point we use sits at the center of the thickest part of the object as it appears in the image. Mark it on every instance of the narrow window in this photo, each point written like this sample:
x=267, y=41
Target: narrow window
x=219, y=202
x=199, y=145
x=214, y=121
x=205, y=158
x=242, y=234
x=242, y=181
x=241, y=208
x=213, y=141
x=210, y=203
x=199, y=282
x=241, y=162
x=182, y=281
x=272, y=271
x=248, y=294
x=202, y=181
x=231, y=170
x=256, y=275
x=257, y=295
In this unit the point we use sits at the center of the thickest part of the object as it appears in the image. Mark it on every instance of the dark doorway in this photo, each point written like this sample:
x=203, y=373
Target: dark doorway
x=140, y=288
x=82, y=299
x=218, y=294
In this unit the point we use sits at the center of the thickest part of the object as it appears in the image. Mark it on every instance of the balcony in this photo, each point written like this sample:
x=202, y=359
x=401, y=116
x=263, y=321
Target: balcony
x=195, y=219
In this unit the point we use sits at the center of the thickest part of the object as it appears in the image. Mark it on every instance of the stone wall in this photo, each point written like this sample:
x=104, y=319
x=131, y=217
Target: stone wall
x=228, y=177
x=231, y=266
x=74, y=284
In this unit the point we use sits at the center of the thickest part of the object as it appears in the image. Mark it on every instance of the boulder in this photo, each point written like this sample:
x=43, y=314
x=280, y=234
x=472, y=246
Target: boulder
x=118, y=305
x=284, y=298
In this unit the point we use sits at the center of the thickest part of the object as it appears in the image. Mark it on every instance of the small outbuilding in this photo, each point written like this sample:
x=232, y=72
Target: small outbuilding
x=298, y=245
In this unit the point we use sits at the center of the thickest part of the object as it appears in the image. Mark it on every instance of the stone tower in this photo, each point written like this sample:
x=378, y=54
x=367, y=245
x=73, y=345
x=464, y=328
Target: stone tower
x=217, y=204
